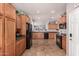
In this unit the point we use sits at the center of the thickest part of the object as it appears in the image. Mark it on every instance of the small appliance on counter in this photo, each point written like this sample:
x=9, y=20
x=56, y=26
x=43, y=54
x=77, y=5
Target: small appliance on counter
x=28, y=35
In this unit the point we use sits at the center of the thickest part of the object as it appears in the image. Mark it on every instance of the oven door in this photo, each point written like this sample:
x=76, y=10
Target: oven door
x=59, y=41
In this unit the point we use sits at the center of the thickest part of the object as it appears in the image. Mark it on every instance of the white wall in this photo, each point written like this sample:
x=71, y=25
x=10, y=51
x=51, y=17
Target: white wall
x=70, y=8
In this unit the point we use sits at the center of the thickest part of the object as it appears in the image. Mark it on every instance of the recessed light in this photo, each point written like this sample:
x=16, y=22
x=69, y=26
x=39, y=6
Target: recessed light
x=37, y=11
x=38, y=17
x=52, y=17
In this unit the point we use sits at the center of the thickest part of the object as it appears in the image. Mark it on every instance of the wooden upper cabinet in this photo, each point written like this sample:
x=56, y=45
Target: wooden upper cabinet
x=10, y=11
x=10, y=35
x=18, y=22
x=62, y=20
x=27, y=19
x=1, y=35
x=23, y=24
x=52, y=26
x=1, y=9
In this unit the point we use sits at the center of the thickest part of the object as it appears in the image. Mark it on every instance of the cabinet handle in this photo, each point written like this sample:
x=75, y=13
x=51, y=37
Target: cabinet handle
x=70, y=39
x=70, y=34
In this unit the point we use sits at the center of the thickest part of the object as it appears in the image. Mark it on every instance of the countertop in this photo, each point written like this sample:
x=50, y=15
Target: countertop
x=20, y=37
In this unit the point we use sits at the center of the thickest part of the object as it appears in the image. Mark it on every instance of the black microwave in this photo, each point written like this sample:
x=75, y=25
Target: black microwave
x=62, y=26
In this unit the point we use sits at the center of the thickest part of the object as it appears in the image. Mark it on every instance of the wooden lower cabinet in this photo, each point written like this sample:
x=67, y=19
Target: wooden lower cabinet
x=38, y=35
x=10, y=50
x=10, y=35
x=64, y=42
x=52, y=35
x=20, y=46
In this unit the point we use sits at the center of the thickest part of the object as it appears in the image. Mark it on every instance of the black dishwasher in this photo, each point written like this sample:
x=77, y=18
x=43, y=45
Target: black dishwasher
x=45, y=35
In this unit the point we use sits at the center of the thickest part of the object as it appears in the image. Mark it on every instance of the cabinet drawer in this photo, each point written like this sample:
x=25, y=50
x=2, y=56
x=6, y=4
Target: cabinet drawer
x=10, y=11
x=1, y=9
x=20, y=46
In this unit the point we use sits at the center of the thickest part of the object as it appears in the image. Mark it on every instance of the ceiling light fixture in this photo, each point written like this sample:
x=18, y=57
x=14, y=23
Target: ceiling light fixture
x=52, y=11
x=38, y=17
x=37, y=11
x=52, y=17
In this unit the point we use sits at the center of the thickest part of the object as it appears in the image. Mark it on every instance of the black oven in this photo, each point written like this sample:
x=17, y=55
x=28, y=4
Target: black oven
x=59, y=40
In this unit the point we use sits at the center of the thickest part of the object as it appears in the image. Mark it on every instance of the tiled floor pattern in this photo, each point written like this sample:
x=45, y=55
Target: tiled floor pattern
x=44, y=48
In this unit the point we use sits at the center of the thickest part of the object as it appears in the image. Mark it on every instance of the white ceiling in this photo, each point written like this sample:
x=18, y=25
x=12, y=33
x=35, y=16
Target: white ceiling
x=42, y=12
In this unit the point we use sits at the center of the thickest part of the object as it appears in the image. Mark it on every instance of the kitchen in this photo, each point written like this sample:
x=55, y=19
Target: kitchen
x=33, y=29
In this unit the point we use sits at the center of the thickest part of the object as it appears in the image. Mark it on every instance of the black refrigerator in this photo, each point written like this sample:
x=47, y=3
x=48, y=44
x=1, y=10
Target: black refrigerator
x=28, y=35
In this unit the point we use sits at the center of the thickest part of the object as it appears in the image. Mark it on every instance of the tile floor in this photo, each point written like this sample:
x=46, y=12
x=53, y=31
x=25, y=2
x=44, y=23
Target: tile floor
x=44, y=48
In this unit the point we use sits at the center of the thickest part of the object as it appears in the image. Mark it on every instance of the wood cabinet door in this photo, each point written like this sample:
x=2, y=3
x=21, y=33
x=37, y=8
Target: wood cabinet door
x=27, y=19
x=23, y=24
x=1, y=35
x=51, y=35
x=64, y=42
x=34, y=35
x=18, y=50
x=40, y=35
x=18, y=22
x=10, y=35
x=62, y=20
x=52, y=26
x=20, y=46
x=10, y=11
x=1, y=9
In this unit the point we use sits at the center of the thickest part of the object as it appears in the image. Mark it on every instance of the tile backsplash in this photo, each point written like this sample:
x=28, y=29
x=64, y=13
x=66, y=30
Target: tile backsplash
x=39, y=27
